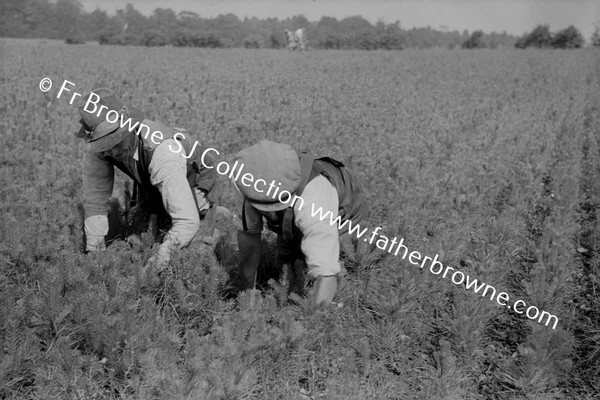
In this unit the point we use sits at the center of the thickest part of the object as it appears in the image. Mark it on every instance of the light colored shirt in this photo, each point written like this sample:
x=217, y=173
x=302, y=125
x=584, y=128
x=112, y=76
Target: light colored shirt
x=168, y=172
x=320, y=239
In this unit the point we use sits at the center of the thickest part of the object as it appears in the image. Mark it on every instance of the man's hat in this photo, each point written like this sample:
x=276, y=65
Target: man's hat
x=273, y=162
x=100, y=133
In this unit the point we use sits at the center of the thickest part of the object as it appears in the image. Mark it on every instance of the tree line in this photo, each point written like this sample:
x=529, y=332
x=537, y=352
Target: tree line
x=66, y=20
x=542, y=37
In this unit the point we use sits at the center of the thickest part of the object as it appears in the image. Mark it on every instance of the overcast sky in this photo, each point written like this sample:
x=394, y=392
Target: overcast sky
x=514, y=16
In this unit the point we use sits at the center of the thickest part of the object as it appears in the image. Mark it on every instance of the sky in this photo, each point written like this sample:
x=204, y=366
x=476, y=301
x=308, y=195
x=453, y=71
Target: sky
x=513, y=16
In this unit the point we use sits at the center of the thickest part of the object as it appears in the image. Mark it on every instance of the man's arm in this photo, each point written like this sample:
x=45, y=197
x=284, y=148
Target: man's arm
x=168, y=173
x=320, y=241
x=98, y=181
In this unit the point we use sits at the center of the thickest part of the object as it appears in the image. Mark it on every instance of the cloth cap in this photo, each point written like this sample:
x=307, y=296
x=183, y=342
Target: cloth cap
x=278, y=164
x=97, y=131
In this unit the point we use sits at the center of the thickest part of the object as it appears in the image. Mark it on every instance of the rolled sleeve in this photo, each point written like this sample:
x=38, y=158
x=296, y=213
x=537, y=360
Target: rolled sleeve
x=98, y=181
x=320, y=242
x=168, y=173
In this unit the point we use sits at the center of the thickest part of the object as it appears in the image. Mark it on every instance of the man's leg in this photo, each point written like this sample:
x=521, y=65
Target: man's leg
x=291, y=260
x=298, y=281
x=249, y=245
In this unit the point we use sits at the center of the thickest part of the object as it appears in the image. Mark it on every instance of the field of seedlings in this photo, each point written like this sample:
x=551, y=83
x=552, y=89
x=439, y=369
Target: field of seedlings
x=490, y=159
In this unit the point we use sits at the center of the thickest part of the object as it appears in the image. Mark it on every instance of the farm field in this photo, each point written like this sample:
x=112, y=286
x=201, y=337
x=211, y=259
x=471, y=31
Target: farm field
x=490, y=159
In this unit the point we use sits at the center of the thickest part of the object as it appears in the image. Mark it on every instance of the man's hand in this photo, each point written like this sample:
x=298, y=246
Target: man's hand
x=152, y=274
x=95, y=228
x=203, y=203
x=324, y=289
x=157, y=267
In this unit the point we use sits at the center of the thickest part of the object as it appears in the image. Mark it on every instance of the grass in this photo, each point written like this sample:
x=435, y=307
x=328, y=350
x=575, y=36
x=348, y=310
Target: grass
x=487, y=158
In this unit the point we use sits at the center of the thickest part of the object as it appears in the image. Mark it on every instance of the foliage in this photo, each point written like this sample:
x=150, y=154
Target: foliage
x=154, y=37
x=254, y=42
x=595, y=39
x=541, y=37
x=74, y=40
x=489, y=159
x=474, y=41
x=568, y=38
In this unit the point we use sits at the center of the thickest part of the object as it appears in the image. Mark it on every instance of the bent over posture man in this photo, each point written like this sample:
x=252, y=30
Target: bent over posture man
x=159, y=160
x=287, y=190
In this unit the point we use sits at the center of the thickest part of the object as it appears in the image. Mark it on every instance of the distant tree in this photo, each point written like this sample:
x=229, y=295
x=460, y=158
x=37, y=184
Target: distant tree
x=569, y=38
x=521, y=43
x=183, y=37
x=229, y=29
x=364, y=39
x=276, y=40
x=595, y=39
x=27, y=18
x=495, y=40
x=163, y=23
x=67, y=18
x=389, y=37
x=328, y=24
x=97, y=23
x=254, y=41
x=190, y=38
x=188, y=20
x=11, y=18
x=424, y=38
x=332, y=41
x=540, y=37
x=135, y=22
x=475, y=41
x=155, y=37
x=78, y=39
x=326, y=33
x=165, y=18
x=355, y=23
x=298, y=21
x=357, y=33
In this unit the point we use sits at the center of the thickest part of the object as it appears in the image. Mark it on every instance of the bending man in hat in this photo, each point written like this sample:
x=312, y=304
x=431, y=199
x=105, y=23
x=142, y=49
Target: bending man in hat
x=157, y=158
x=285, y=189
